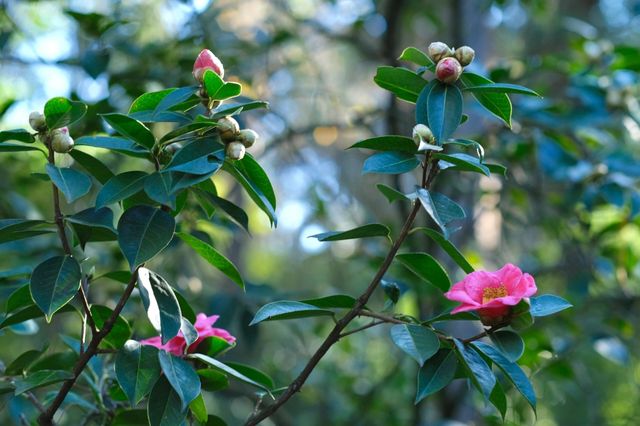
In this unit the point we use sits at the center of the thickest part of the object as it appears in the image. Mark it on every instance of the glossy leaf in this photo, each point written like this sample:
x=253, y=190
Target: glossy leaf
x=54, y=282
x=199, y=409
x=39, y=379
x=365, y=231
x=441, y=209
x=198, y=157
x=121, y=145
x=143, y=231
x=404, y=83
x=464, y=162
x=160, y=303
x=477, y=369
x=15, y=147
x=509, y=343
x=137, y=370
x=72, y=183
x=388, y=143
x=337, y=301
x=448, y=247
x=158, y=186
x=417, y=341
x=390, y=162
x=499, y=400
x=444, y=111
x=258, y=188
x=28, y=313
x=165, y=407
x=120, y=187
x=426, y=268
x=214, y=258
x=501, y=88
x=391, y=194
x=497, y=104
x=120, y=331
x=548, y=304
x=19, y=135
x=149, y=101
x=417, y=56
x=131, y=129
x=183, y=378
x=437, y=373
x=253, y=373
x=92, y=165
x=234, y=109
x=60, y=112
x=287, y=309
x=227, y=369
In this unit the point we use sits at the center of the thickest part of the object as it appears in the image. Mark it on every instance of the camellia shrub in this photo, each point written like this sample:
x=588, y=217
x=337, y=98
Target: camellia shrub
x=160, y=380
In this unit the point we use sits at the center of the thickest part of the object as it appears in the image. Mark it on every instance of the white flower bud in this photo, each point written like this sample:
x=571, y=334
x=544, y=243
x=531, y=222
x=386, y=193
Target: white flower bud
x=228, y=129
x=37, y=121
x=438, y=50
x=465, y=55
x=173, y=147
x=248, y=137
x=61, y=142
x=422, y=133
x=235, y=151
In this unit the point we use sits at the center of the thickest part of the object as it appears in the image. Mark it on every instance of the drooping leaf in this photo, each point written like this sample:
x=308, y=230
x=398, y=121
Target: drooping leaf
x=121, y=145
x=501, y=88
x=199, y=157
x=497, y=104
x=19, y=135
x=448, y=247
x=160, y=303
x=335, y=301
x=92, y=165
x=417, y=341
x=477, y=369
x=461, y=161
x=54, y=282
x=60, y=112
x=137, y=370
x=165, y=407
x=441, y=209
x=254, y=185
x=365, y=231
x=426, y=268
x=120, y=331
x=390, y=162
x=72, y=183
x=214, y=258
x=388, y=143
x=120, y=187
x=509, y=343
x=287, y=309
x=436, y=373
x=232, y=210
x=253, y=373
x=143, y=231
x=131, y=129
x=499, y=400
x=548, y=304
x=183, y=378
x=391, y=194
x=39, y=379
x=444, y=111
x=227, y=369
x=404, y=83
x=158, y=186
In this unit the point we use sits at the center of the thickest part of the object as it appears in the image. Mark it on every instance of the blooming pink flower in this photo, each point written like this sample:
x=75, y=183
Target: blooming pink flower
x=206, y=60
x=492, y=294
x=203, y=326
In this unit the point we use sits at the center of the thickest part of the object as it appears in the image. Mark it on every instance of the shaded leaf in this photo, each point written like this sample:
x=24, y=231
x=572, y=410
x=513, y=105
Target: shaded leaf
x=137, y=370
x=183, y=378
x=160, y=303
x=390, y=162
x=72, y=183
x=417, y=341
x=143, y=231
x=60, y=112
x=448, y=247
x=365, y=231
x=426, y=268
x=436, y=373
x=54, y=283
x=287, y=309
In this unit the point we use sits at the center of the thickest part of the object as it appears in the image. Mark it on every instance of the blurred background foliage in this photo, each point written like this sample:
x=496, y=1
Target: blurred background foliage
x=568, y=212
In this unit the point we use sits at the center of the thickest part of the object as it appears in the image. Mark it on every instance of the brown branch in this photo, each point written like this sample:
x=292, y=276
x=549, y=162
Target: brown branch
x=485, y=333
x=46, y=418
x=381, y=317
x=357, y=310
x=364, y=327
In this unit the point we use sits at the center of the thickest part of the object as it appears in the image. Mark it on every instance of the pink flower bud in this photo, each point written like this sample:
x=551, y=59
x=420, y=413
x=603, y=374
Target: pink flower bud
x=206, y=60
x=448, y=70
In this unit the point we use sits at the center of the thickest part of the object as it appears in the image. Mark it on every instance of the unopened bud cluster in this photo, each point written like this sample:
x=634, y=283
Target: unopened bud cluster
x=449, y=61
x=237, y=141
x=58, y=139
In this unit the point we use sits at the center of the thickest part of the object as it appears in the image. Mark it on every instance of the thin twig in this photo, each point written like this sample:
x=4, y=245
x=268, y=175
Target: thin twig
x=381, y=317
x=364, y=327
x=485, y=333
x=31, y=397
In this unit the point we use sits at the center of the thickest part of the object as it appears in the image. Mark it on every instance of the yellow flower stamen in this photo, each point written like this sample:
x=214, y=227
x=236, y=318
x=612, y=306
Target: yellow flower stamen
x=490, y=293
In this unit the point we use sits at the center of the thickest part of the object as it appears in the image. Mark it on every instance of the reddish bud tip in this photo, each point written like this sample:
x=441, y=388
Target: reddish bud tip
x=448, y=70
x=206, y=60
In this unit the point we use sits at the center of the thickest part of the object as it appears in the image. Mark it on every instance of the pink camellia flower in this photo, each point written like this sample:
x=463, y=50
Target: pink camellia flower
x=203, y=326
x=492, y=294
x=206, y=60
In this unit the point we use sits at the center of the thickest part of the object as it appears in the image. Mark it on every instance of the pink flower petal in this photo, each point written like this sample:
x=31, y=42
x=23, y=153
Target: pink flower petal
x=477, y=281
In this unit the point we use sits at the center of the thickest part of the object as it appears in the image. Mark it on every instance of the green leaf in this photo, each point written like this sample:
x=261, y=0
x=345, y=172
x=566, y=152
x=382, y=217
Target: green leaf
x=253, y=373
x=189, y=128
x=417, y=56
x=30, y=312
x=131, y=129
x=165, y=407
x=236, y=213
x=149, y=101
x=93, y=225
x=213, y=346
x=335, y=301
x=214, y=258
x=215, y=421
x=14, y=147
x=548, y=304
x=460, y=161
x=448, y=247
x=120, y=187
x=199, y=409
x=72, y=183
x=15, y=229
x=467, y=143
x=227, y=369
x=60, y=112
x=444, y=110
x=19, y=135
x=499, y=399
x=391, y=194
x=390, y=162
x=497, y=169
x=388, y=143
x=436, y=374
x=212, y=83
x=365, y=231
x=123, y=146
x=174, y=98
x=513, y=372
x=417, y=341
x=501, y=88
x=404, y=83
x=143, y=231
x=54, y=282
x=227, y=91
x=158, y=187
x=287, y=309
x=228, y=110
x=137, y=370
x=182, y=377
x=91, y=164
x=120, y=331
x=198, y=157
x=161, y=304
x=39, y=379
x=19, y=365
x=509, y=343
x=426, y=268
x=497, y=104
x=521, y=317
x=441, y=209
x=212, y=380
x=477, y=369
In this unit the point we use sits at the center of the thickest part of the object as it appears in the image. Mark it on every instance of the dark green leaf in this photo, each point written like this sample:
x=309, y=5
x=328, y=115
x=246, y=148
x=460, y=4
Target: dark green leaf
x=499, y=399
x=404, y=83
x=287, y=309
x=165, y=407
x=158, y=186
x=390, y=193
x=417, y=56
x=137, y=370
x=501, y=88
x=30, y=312
x=444, y=111
x=477, y=369
x=15, y=147
x=497, y=104
x=72, y=183
x=548, y=304
x=253, y=373
x=234, y=109
x=182, y=377
x=161, y=304
x=102, y=217
x=388, y=143
x=143, y=231
x=120, y=187
x=521, y=317
x=54, y=282
x=19, y=135
x=467, y=143
x=91, y=164
x=212, y=256
x=202, y=156
x=174, y=98
x=236, y=213
x=131, y=129
x=213, y=346
x=212, y=380
x=441, y=209
x=120, y=331
x=226, y=369
x=16, y=229
x=365, y=231
x=189, y=128
x=339, y=301
x=39, y=379
x=19, y=365
x=60, y=112
x=199, y=409
x=215, y=421
x=464, y=162
x=390, y=162
x=436, y=374
x=130, y=418
x=149, y=101
x=510, y=344
x=124, y=146
x=417, y=341
x=448, y=247
x=426, y=268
